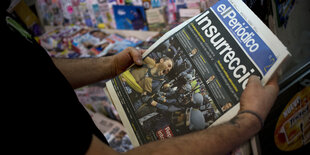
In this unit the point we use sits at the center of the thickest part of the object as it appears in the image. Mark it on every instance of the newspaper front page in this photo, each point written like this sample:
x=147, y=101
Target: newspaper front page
x=193, y=76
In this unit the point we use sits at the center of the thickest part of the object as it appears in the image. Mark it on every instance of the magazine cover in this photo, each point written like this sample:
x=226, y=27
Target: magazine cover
x=87, y=39
x=156, y=3
x=171, y=12
x=28, y=17
x=146, y=4
x=113, y=131
x=137, y=2
x=106, y=14
x=86, y=12
x=130, y=17
x=113, y=44
x=156, y=18
x=49, y=12
x=98, y=14
x=194, y=75
x=68, y=12
x=59, y=38
x=95, y=99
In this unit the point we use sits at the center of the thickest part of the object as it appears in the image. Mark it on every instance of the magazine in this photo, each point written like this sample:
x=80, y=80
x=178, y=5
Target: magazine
x=114, y=44
x=130, y=17
x=94, y=98
x=194, y=75
x=88, y=39
x=156, y=18
x=113, y=131
x=58, y=38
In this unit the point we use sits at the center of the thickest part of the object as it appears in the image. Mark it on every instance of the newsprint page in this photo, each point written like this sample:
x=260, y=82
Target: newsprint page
x=193, y=76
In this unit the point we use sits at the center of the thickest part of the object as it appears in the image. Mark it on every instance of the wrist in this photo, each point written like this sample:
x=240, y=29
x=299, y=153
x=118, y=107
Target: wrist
x=107, y=67
x=255, y=121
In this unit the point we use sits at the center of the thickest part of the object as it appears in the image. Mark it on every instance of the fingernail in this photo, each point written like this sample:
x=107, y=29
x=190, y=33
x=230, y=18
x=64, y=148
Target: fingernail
x=139, y=62
x=255, y=76
x=142, y=51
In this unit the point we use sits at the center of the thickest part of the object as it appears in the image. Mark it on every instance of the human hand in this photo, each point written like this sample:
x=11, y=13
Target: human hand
x=154, y=103
x=126, y=58
x=257, y=98
x=167, y=85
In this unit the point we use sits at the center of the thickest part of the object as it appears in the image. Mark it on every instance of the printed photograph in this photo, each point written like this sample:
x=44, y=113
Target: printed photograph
x=167, y=94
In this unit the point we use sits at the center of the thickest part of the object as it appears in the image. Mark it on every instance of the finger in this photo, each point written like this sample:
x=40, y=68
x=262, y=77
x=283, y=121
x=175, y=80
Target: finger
x=272, y=86
x=273, y=80
x=254, y=81
x=142, y=51
x=136, y=55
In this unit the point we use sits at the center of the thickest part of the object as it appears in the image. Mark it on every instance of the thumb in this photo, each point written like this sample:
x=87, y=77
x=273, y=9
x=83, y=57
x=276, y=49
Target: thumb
x=254, y=80
x=125, y=58
x=272, y=86
x=135, y=54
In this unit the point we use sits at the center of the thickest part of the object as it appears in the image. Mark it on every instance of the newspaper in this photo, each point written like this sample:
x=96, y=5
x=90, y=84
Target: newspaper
x=193, y=76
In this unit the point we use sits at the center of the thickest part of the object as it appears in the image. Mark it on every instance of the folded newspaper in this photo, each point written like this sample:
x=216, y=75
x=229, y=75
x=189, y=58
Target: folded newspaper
x=193, y=77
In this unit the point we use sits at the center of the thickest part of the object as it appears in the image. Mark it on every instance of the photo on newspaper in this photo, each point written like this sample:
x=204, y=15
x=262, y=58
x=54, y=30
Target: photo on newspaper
x=193, y=76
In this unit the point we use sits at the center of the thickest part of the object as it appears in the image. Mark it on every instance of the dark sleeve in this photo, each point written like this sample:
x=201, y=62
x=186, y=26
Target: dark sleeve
x=46, y=116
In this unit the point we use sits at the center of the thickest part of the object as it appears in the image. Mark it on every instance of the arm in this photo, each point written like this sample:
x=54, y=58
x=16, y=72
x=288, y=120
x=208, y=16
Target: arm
x=84, y=71
x=219, y=139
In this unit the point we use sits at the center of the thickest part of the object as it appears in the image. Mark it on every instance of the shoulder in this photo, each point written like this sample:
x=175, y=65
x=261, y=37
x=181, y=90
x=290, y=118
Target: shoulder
x=150, y=62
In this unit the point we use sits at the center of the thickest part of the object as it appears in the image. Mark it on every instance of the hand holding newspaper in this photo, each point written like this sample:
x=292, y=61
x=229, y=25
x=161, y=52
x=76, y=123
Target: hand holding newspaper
x=193, y=76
